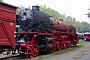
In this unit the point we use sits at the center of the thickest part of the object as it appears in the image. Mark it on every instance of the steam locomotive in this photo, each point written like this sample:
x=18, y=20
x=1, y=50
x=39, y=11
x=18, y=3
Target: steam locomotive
x=39, y=31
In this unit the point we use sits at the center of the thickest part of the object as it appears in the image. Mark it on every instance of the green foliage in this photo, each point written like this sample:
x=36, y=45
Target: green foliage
x=63, y=16
x=79, y=27
x=29, y=7
x=19, y=10
x=1, y=0
x=50, y=11
x=86, y=26
x=40, y=58
x=88, y=12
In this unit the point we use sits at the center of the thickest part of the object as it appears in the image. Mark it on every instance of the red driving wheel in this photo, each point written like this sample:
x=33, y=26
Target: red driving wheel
x=64, y=45
x=54, y=48
x=59, y=46
x=34, y=50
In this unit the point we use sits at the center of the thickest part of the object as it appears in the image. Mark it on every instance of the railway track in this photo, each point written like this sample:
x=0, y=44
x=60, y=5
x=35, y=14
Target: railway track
x=13, y=57
x=9, y=58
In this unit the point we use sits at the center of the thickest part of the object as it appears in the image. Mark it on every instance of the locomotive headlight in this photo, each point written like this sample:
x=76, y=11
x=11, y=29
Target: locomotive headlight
x=23, y=18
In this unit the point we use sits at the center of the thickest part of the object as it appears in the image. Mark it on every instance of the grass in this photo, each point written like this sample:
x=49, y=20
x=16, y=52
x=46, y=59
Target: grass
x=70, y=49
x=40, y=58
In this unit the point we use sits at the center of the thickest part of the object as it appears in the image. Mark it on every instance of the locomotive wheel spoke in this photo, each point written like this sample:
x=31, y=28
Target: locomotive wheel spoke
x=54, y=48
x=34, y=51
x=59, y=46
x=64, y=45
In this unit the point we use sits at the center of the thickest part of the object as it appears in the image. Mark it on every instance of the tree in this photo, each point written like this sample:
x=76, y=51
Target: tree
x=79, y=27
x=88, y=12
x=50, y=11
x=1, y=0
x=63, y=16
x=69, y=19
x=20, y=9
x=86, y=27
x=29, y=7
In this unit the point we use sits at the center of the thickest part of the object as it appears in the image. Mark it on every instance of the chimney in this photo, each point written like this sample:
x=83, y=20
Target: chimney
x=35, y=8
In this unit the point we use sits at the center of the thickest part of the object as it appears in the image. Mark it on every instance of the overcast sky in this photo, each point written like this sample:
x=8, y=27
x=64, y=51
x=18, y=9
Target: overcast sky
x=73, y=8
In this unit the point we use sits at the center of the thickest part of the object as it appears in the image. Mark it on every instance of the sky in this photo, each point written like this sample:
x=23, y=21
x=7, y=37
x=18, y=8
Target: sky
x=73, y=8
